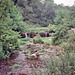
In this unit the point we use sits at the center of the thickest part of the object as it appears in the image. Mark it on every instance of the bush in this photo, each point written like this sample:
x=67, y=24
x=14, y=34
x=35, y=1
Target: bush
x=8, y=43
x=38, y=39
x=59, y=35
x=51, y=28
x=42, y=34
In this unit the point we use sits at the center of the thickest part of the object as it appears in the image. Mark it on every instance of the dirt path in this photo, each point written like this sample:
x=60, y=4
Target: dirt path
x=20, y=58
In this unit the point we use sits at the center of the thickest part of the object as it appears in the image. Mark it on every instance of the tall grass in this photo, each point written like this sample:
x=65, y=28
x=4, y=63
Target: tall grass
x=69, y=45
x=65, y=65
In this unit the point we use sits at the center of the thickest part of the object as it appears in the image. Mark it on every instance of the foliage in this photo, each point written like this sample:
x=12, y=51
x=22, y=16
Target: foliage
x=64, y=16
x=37, y=39
x=48, y=12
x=8, y=22
x=36, y=13
x=65, y=65
x=47, y=40
x=10, y=16
x=51, y=28
x=72, y=14
x=9, y=43
x=1, y=52
x=69, y=46
x=59, y=35
x=42, y=34
x=20, y=15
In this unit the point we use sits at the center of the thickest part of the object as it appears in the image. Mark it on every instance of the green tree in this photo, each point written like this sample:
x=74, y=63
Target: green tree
x=10, y=16
x=34, y=12
x=72, y=14
x=62, y=16
x=48, y=11
x=65, y=15
x=10, y=20
x=59, y=35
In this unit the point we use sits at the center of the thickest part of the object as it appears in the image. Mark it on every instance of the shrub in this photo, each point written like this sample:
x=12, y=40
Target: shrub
x=9, y=42
x=38, y=39
x=42, y=34
x=59, y=35
x=51, y=28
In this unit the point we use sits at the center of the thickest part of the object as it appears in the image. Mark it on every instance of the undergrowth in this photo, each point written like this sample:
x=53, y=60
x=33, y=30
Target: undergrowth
x=38, y=39
x=65, y=65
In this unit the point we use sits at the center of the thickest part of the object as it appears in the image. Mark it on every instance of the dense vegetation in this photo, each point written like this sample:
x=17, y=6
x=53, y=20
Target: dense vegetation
x=17, y=16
